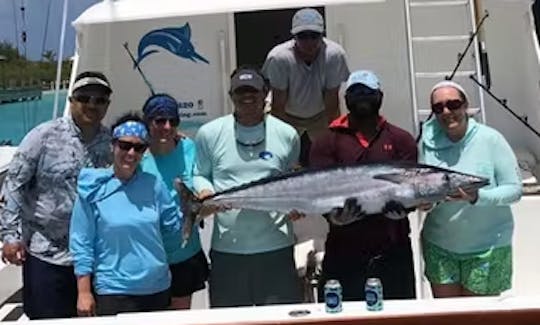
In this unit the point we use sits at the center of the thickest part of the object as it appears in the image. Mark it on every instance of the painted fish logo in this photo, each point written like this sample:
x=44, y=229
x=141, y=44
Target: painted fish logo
x=175, y=40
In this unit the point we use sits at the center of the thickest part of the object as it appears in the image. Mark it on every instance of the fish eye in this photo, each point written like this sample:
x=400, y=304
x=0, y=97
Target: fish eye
x=446, y=178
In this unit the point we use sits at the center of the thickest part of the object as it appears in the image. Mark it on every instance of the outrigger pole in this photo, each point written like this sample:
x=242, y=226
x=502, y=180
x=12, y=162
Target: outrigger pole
x=502, y=102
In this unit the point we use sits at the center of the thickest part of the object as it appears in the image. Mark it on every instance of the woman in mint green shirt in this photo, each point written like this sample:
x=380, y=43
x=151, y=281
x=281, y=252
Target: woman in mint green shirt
x=467, y=239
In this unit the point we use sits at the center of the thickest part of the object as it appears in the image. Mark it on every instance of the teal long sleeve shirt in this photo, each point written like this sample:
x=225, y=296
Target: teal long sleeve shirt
x=462, y=227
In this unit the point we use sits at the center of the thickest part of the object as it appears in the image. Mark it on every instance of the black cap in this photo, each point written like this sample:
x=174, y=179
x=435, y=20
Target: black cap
x=247, y=78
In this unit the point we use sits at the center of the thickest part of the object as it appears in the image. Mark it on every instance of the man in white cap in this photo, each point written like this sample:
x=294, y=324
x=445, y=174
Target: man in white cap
x=39, y=191
x=305, y=74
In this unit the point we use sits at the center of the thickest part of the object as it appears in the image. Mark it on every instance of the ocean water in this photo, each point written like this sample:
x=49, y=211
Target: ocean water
x=16, y=119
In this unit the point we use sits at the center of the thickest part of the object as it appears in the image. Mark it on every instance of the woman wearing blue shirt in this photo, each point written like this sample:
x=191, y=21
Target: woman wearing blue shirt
x=167, y=158
x=467, y=240
x=118, y=223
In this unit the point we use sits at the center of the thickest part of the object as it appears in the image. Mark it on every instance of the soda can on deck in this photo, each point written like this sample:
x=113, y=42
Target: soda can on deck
x=333, y=296
x=374, y=294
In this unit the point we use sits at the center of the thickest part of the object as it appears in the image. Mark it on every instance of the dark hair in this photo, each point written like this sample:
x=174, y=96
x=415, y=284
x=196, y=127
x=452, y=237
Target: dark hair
x=255, y=69
x=131, y=116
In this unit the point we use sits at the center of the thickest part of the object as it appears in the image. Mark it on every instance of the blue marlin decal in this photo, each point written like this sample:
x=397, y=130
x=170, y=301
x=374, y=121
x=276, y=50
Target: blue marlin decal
x=175, y=40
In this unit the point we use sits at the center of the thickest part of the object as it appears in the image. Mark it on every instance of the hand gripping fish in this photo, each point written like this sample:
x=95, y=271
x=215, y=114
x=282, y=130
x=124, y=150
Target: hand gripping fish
x=342, y=194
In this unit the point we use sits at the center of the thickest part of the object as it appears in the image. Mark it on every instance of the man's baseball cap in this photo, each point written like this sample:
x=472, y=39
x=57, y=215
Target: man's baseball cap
x=307, y=19
x=364, y=77
x=93, y=80
x=247, y=78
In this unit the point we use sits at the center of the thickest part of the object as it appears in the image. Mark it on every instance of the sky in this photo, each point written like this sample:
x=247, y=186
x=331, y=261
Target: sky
x=36, y=20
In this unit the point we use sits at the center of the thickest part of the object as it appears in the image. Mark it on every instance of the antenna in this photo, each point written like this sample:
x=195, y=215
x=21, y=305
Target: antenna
x=126, y=46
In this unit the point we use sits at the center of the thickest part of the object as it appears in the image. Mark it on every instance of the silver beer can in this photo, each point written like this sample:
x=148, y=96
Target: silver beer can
x=374, y=294
x=333, y=296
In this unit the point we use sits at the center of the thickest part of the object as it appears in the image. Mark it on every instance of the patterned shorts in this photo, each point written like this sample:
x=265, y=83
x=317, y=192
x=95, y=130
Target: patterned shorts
x=485, y=273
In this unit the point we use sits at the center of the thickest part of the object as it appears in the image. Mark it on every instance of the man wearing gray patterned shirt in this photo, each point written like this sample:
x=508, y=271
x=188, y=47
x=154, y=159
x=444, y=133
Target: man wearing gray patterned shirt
x=39, y=191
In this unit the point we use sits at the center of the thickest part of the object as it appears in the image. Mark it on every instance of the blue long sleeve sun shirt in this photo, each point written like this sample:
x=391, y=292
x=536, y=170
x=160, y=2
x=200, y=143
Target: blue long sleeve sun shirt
x=462, y=227
x=117, y=231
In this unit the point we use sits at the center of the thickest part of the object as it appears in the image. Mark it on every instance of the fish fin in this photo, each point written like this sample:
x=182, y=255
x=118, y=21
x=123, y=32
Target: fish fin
x=395, y=178
x=396, y=210
x=185, y=31
x=351, y=212
x=190, y=207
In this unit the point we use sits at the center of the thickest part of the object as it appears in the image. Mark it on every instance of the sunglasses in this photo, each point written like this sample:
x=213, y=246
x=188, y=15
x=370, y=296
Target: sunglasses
x=308, y=36
x=452, y=105
x=161, y=121
x=96, y=100
x=127, y=146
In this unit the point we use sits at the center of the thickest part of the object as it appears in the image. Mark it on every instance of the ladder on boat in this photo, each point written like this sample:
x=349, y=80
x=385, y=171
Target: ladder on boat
x=437, y=32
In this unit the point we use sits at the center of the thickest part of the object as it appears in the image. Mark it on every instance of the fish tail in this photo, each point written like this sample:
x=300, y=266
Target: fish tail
x=189, y=206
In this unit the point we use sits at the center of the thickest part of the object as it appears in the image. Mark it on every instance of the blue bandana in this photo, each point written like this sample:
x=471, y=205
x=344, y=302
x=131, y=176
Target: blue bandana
x=131, y=129
x=161, y=105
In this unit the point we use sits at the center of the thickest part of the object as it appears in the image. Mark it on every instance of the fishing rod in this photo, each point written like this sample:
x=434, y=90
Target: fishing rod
x=503, y=102
x=461, y=57
x=139, y=69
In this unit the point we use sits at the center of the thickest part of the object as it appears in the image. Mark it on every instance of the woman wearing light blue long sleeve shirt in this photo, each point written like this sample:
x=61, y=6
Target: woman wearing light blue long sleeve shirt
x=467, y=240
x=116, y=236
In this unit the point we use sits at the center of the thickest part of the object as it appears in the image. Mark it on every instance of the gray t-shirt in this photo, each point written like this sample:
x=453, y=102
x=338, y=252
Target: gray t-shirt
x=306, y=84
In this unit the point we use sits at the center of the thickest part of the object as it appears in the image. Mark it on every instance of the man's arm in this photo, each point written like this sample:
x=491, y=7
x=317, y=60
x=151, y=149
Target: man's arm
x=321, y=154
x=277, y=72
x=337, y=72
x=405, y=148
x=279, y=101
x=331, y=103
x=22, y=170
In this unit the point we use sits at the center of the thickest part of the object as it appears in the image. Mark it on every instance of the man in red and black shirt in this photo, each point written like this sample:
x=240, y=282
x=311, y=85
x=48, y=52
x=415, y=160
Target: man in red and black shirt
x=378, y=245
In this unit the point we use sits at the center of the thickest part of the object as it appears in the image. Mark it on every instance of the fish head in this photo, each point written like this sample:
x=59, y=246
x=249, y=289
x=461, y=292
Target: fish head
x=437, y=184
x=466, y=182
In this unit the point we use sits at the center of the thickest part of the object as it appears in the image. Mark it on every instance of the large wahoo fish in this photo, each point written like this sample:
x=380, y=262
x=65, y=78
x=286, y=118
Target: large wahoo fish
x=343, y=194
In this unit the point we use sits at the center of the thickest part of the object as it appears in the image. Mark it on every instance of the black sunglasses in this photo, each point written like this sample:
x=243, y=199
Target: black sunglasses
x=161, y=121
x=126, y=146
x=452, y=104
x=96, y=100
x=308, y=35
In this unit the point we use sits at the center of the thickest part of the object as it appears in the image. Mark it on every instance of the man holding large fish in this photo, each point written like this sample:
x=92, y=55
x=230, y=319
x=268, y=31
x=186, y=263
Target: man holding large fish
x=375, y=246
x=252, y=251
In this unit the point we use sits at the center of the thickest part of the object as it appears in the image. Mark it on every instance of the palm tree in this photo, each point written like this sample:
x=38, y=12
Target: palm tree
x=49, y=56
